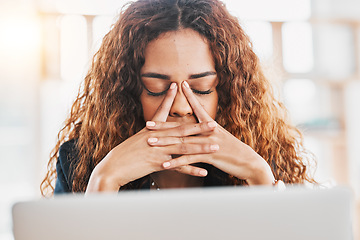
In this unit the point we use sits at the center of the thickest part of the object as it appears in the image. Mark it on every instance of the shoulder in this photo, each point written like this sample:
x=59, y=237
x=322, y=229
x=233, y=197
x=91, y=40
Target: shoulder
x=65, y=165
x=68, y=154
x=68, y=149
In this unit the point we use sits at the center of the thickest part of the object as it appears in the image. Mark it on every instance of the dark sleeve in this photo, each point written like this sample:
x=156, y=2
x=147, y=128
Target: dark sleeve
x=66, y=160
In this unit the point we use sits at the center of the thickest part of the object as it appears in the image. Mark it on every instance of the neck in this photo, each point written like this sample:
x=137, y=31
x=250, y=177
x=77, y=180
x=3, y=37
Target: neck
x=174, y=179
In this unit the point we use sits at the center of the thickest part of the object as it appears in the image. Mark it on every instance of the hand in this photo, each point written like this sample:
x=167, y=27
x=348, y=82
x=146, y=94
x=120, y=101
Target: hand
x=232, y=156
x=135, y=158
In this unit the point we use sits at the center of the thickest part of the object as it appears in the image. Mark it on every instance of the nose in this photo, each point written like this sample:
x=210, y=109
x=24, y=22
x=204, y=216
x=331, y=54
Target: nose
x=181, y=106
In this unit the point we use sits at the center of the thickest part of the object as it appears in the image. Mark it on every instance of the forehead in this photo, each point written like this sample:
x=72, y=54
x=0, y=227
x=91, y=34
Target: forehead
x=183, y=49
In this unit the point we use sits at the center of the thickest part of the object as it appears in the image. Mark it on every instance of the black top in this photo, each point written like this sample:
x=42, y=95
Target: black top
x=65, y=165
x=64, y=179
x=68, y=159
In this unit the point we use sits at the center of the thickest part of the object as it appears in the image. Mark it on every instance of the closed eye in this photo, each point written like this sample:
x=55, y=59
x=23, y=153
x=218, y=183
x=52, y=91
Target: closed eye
x=156, y=94
x=202, y=92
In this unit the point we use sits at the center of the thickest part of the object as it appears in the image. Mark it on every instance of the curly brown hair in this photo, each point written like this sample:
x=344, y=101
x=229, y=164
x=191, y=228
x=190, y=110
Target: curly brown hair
x=107, y=109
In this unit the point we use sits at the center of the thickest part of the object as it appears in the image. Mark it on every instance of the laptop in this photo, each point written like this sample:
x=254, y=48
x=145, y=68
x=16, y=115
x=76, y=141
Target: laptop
x=201, y=213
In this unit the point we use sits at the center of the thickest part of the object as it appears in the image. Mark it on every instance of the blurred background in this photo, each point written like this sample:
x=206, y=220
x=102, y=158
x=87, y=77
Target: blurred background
x=310, y=49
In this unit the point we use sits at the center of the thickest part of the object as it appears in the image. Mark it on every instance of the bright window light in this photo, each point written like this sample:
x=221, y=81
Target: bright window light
x=299, y=90
x=300, y=99
x=89, y=7
x=101, y=26
x=335, y=51
x=298, y=47
x=275, y=10
x=20, y=41
x=74, y=47
x=260, y=34
x=14, y=30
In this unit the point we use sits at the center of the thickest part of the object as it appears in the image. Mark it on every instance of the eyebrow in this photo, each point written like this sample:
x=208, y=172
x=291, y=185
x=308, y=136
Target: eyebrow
x=200, y=75
x=156, y=75
x=167, y=77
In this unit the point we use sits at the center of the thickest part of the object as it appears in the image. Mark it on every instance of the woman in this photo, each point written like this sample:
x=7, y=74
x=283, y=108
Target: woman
x=175, y=98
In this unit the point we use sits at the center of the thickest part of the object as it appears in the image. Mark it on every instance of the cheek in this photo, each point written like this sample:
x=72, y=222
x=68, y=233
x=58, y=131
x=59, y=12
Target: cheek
x=150, y=105
x=210, y=104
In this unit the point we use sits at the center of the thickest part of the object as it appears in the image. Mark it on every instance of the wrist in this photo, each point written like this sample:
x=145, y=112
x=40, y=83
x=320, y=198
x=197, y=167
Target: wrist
x=101, y=182
x=262, y=175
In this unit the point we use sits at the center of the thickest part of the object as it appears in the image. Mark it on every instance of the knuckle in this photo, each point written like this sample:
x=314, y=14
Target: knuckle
x=206, y=147
x=193, y=171
x=182, y=140
x=196, y=171
x=183, y=169
x=174, y=162
x=182, y=130
x=184, y=148
x=187, y=159
x=203, y=126
x=213, y=139
x=151, y=134
x=177, y=163
x=180, y=169
x=216, y=129
x=208, y=159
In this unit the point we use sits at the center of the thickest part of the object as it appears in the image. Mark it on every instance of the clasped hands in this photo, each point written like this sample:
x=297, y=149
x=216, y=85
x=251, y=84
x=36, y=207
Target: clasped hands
x=205, y=142
x=151, y=150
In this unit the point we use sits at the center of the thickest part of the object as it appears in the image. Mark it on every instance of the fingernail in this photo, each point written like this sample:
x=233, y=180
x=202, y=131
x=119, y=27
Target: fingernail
x=166, y=164
x=186, y=84
x=214, y=147
x=150, y=124
x=203, y=172
x=212, y=124
x=152, y=140
x=173, y=85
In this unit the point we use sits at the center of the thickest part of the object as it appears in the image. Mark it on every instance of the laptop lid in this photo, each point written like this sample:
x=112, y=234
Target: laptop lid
x=206, y=213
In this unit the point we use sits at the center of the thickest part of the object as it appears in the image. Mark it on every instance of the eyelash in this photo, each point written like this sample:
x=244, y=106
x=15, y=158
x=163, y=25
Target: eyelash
x=156, y=94
x=194, y=91
x=202, y=92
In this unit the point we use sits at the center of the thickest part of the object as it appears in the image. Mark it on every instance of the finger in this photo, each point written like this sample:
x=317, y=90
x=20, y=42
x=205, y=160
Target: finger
x=189, y=148
x=186, y=130
x=199, y=111
x=151, y=125
x=162, y=112
x=187, y=160
x=191, y=170
x=166, y=141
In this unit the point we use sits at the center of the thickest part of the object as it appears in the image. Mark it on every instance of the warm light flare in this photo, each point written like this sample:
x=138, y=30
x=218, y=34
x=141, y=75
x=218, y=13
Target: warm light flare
x=19, y=35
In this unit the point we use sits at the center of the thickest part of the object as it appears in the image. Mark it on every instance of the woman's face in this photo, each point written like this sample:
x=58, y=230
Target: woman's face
x=172, y=58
